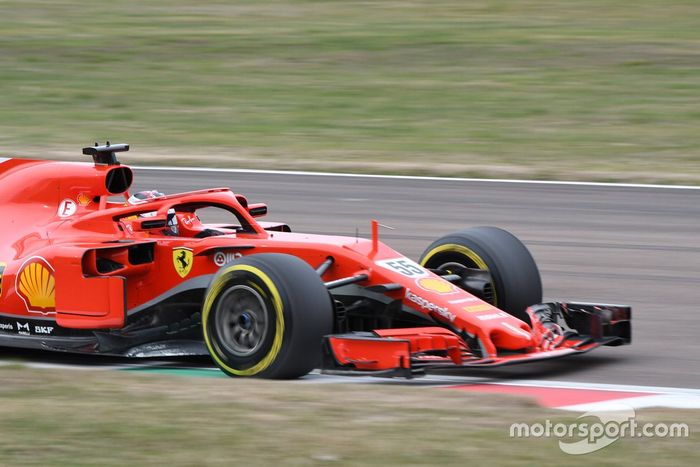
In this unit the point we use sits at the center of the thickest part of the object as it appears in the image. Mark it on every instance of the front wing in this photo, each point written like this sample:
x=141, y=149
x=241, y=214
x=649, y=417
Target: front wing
x=410, y=352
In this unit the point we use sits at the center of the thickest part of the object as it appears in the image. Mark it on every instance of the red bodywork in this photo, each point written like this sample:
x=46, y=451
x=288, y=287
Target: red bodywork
x=75, y=255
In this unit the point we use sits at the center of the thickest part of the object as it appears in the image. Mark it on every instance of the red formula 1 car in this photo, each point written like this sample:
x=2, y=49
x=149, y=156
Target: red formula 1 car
x=84, y=270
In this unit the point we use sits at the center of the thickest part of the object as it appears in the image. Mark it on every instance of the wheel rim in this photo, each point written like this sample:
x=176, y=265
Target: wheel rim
x=242, y=320
x=445, y=257
x=450, y=266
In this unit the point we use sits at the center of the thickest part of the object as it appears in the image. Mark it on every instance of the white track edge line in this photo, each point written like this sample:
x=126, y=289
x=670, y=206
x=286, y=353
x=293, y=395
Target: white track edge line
x=417, y=177
x=671, y=401
x=600, y=387
x=410, y=177
x=446, y=380
x=441, y=380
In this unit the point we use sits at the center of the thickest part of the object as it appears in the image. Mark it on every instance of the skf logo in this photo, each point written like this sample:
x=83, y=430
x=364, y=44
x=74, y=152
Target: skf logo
x=182, y=260
x=36, y=285
x=2, y=270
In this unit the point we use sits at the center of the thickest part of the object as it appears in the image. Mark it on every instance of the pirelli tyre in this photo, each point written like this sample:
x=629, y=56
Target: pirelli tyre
x=515, y=278
x=265, y=315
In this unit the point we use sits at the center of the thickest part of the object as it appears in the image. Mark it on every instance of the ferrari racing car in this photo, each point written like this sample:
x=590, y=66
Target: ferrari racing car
x=88, y=267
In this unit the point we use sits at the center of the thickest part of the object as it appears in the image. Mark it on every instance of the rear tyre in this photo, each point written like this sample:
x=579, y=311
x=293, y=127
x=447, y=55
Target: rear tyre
x=516, y=279
x=265, y=315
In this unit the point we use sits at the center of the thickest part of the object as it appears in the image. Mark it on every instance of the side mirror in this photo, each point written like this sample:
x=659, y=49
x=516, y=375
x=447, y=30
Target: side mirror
x=257, y=209
x=145, y=224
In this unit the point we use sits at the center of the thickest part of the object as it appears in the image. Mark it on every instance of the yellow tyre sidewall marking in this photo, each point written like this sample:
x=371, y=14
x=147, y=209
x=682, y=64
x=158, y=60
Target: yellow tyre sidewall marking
x=216, y=287
x=454, y=248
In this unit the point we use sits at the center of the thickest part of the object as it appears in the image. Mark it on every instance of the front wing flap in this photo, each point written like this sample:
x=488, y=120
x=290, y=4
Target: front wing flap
x=412, y=352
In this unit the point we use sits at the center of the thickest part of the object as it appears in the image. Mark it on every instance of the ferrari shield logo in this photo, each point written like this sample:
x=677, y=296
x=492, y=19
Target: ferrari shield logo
x=182, y=260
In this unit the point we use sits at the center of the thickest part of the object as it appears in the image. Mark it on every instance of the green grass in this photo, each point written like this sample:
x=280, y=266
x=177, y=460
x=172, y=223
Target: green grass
x=589, y=89
x=83, y=418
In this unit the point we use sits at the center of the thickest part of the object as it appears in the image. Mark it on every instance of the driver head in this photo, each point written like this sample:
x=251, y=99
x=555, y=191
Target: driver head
x=144, y=196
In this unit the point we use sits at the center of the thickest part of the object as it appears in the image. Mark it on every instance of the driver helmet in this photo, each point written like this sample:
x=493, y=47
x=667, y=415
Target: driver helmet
x=147, y=195
x=143, y=196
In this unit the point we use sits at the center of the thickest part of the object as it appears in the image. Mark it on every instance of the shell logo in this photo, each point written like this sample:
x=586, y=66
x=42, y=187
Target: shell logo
x=478, y=308
x=36, y=285
x=436, y=285
x=83, y=199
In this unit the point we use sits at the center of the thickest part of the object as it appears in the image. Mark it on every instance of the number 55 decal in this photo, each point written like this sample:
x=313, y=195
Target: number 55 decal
x=403, y=266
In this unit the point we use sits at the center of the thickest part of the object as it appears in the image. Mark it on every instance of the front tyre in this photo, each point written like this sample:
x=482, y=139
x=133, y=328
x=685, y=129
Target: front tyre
x=516, y=279
x=265, y=315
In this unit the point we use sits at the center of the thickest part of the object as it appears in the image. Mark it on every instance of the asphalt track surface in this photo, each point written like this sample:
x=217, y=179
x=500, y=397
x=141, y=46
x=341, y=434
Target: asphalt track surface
x=613, y=244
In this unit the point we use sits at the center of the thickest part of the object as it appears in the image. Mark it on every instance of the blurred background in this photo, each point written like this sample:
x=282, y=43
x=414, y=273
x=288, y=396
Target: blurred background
x=590, y=90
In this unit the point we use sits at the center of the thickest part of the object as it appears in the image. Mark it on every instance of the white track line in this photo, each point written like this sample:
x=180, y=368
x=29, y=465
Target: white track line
x=669, y=397
x=417, y=177
x=598, y=386
x=466, y=380
x=669, y=401
x=410, y=177
x=432, y=380
x=78, y=366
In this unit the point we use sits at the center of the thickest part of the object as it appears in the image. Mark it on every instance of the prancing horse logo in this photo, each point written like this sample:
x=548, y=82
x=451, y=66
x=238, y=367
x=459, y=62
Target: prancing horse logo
x=182, y=260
